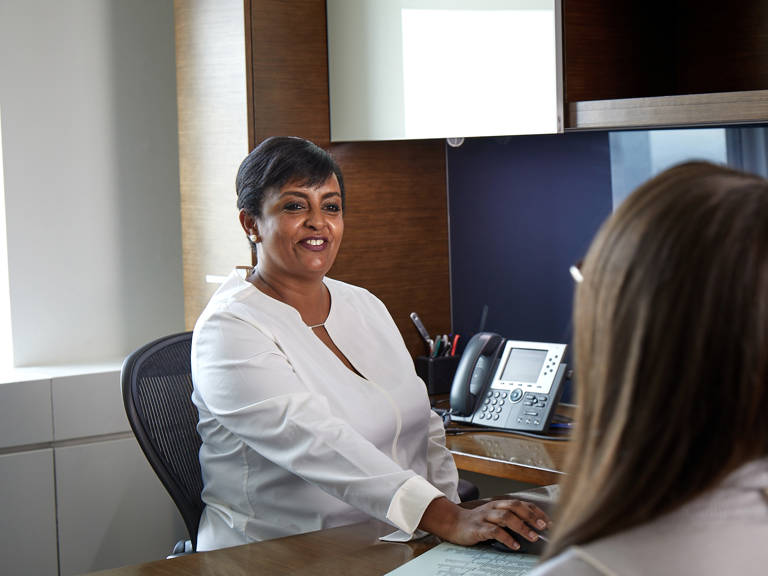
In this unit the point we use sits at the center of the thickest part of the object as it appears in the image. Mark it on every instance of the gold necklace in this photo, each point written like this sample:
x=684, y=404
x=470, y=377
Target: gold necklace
x=282, y=299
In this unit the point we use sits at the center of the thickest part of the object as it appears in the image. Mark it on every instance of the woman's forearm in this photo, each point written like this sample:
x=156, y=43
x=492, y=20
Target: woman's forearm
x=440, y=517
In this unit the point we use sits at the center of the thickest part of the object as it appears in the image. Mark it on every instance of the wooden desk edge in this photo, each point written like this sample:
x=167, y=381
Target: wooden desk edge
x=356, y=548
x=481, y=463
x=507, y=470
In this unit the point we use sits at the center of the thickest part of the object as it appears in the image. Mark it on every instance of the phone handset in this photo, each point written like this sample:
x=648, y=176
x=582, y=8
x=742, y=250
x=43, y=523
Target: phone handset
x=474, y=371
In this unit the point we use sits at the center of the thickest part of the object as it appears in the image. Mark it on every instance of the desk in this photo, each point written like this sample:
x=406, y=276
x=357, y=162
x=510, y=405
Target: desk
x=356, y=549
x=510, y=456
x=353, y=550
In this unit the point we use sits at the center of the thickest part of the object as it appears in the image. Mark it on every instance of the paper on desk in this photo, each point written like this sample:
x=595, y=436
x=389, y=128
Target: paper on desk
x=401, y=536
x=450, y=560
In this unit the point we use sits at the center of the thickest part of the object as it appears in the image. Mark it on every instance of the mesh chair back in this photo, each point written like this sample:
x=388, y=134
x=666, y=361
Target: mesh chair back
x=157, y=386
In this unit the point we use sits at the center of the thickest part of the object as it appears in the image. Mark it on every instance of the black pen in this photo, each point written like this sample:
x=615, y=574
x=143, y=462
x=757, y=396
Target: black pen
x=423, y=332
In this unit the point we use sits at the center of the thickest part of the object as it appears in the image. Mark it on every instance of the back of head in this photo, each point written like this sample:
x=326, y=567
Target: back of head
x=671, y=350
x=278, y=161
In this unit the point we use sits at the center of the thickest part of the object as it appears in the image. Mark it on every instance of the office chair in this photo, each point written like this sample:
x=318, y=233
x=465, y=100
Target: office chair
x=156, y=382
x=467, y=490
x=157, y=387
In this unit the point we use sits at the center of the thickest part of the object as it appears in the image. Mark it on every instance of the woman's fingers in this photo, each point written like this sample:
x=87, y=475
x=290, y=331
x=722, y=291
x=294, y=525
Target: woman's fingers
x=508, y=519
x=530, y=513
x=505, y=537
x=523, y=518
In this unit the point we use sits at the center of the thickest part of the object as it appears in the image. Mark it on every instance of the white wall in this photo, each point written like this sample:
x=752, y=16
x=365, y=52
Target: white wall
x=88, y=100
x=90, y=159
x=77, y=493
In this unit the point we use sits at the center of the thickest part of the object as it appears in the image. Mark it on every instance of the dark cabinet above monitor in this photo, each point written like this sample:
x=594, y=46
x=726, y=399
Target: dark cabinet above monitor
x=670, y=63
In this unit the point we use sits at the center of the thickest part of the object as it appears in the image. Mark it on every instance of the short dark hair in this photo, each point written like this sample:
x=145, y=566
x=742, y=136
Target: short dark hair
x=280, y=160
x=670, y=335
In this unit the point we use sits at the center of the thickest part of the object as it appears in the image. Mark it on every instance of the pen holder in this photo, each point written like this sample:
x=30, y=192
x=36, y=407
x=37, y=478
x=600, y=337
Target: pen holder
x=437, y=373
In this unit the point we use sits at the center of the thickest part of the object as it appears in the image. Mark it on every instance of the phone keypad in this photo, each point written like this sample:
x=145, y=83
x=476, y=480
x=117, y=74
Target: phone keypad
x=493, y=406
x=499, y=406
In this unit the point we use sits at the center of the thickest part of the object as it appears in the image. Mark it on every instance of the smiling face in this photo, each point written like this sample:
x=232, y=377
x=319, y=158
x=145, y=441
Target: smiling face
x=300, y=230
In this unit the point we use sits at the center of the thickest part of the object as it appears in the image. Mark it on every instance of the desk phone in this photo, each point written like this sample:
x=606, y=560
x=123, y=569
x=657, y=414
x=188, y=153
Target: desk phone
x=510, y=384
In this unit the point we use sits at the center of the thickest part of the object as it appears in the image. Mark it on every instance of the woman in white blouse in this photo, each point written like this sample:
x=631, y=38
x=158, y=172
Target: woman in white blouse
x=311, y=413
x=668, y=470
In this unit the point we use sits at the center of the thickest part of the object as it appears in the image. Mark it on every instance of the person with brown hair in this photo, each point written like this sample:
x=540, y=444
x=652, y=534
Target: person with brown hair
x=668, y=469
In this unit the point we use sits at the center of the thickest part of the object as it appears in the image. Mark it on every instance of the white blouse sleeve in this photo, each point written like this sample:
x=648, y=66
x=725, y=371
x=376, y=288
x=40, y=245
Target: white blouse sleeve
x=441, y=467
x=414, y=496
x=249, y=386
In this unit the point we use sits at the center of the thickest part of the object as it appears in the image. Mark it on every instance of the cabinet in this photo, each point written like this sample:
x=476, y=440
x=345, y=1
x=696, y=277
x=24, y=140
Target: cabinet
x=76, y=491
x=410, y=69
x=28, y=522
x=634, y=64
x=112, y=509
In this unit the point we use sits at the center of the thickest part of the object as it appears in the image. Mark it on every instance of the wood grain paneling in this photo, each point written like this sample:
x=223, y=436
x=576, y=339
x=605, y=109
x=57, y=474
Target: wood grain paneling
x=396, y=222
x=693, y=109
x=722, y=46
x=396, y=230
x=288, y=67
x=654, y=48
x=503, y=455
x=211, y=88
x=595, y=51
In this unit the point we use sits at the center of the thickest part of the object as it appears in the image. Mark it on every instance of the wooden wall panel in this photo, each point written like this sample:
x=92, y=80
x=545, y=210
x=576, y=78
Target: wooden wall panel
x=617, y=49
x=396, y=230
x=722, y=46
x=660, y=48
x=288, y=67
x=396, y=225
x=211, y=96
x=593, y=53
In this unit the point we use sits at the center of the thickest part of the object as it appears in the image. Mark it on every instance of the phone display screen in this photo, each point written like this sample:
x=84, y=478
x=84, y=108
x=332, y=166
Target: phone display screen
x=524, y=365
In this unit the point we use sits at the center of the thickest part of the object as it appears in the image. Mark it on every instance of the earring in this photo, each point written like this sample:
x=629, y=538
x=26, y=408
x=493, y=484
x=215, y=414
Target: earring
x=253, y=238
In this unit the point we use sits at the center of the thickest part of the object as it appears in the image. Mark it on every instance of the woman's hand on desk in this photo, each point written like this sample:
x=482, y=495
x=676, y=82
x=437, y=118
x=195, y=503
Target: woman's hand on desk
x=466, y=527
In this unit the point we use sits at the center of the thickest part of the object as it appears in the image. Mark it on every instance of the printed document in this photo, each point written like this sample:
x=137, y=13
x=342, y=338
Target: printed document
x=450, y=560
